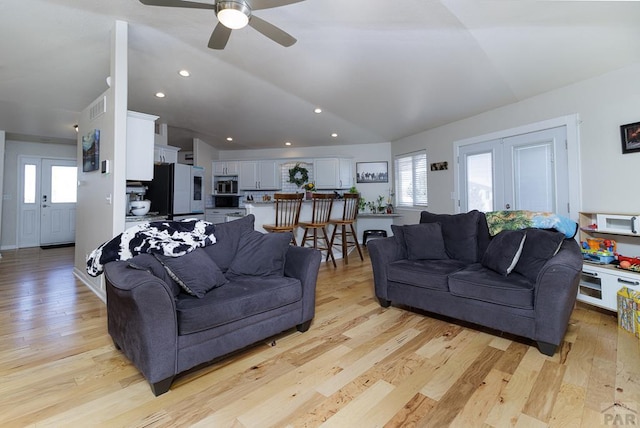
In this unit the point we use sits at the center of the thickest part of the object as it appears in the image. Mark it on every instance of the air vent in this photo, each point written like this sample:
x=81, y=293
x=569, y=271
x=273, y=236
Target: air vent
x=98, y=109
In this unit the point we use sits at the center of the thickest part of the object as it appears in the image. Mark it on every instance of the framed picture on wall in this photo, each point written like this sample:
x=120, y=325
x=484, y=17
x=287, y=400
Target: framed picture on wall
x=630, y=135
x=91, y=151
x=372, y=172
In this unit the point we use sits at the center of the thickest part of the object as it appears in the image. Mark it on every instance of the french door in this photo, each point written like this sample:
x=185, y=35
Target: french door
x=47, y=205
x=522, y=172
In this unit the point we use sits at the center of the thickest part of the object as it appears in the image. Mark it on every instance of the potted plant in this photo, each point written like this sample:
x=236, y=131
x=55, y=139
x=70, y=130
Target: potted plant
x=380, y=205
x=309, y=188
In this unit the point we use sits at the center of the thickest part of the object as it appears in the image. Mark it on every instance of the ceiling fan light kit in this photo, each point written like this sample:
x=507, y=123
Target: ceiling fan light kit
x=233, y=14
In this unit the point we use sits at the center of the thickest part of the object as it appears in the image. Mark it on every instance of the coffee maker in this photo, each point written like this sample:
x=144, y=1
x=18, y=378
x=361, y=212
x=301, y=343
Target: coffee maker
x=134, y=192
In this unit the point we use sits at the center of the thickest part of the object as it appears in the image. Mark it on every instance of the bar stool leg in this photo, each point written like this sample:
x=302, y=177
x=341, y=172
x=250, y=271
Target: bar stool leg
x=355, y=240
x=329, y=251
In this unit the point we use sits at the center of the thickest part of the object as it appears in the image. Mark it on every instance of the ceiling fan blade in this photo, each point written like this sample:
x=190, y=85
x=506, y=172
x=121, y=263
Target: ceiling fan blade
x=178, y=3
x=271, y=31
x=219, y=37
x=268, y=4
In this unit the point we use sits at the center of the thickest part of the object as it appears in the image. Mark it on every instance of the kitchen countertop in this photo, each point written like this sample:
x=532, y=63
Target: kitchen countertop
x=148, y=217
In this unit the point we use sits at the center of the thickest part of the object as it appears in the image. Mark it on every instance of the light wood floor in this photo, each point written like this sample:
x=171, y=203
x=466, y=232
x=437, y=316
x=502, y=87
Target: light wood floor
x=358, y=366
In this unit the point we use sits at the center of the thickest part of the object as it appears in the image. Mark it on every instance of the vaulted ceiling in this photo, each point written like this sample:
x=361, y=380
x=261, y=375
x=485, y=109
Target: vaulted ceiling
x=379, y=69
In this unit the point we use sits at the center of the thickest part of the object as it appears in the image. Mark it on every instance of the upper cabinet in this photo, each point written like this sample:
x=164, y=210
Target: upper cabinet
x=225, y=167
x=140, y=140
x=165, y=154
x=332, y=173
x=259, y=175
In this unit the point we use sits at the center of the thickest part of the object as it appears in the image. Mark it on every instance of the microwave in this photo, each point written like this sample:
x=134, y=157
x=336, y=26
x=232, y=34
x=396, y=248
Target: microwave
x=226, y=201
x=227, y=186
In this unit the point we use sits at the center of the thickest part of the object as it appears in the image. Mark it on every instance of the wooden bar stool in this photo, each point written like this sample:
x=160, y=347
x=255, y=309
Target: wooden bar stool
x=347, y=235
x=322, y=204
x=287, y=213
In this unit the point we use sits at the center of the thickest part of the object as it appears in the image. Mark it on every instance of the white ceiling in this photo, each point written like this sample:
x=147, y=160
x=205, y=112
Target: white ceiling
x=379, y=69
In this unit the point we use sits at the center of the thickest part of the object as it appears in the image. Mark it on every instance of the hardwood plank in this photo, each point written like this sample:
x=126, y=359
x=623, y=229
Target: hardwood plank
x=58, y=365
x=544, y=392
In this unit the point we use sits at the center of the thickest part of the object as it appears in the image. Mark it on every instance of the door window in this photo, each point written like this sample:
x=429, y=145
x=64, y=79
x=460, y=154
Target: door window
x=64, y=187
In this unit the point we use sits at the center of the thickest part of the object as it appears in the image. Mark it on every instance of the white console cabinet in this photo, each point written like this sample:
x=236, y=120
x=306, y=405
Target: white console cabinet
x=599, y=283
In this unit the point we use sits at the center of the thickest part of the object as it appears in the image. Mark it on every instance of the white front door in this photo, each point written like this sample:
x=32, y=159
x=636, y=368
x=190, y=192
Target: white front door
x=47, y=201
x=58, y=201
x=523, y=172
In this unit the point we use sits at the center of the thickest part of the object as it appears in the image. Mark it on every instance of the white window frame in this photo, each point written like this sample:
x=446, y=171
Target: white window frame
x=418, y=161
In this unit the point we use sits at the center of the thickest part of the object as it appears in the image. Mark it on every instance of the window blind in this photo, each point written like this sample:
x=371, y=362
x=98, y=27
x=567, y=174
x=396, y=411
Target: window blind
x=411, y=179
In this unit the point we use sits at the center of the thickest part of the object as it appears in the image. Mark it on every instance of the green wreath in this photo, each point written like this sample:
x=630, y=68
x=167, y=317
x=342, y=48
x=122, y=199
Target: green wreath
x=298, y=175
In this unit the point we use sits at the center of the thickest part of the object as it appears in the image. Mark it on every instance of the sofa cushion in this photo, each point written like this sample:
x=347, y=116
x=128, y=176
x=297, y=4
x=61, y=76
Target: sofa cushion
x=504, y=251
x=194, y=272
x=240, y=298
x=430, y=274
x=261, y=254
x=149, y=263
x=540, y=246
x=227, y=239
x=479, y=283
x=460, y=232
x=424, y=241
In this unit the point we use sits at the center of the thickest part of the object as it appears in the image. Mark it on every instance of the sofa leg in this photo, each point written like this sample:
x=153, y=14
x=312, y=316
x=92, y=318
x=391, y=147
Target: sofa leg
x=304, y=326
x=161, y=387
x=547, y=348
x=384, y=302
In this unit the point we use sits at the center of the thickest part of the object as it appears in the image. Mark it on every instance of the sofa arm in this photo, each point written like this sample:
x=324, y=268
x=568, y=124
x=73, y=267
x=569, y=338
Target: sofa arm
x=556, y=292
x=303, y=263
x=382, y=252
x=142, y=320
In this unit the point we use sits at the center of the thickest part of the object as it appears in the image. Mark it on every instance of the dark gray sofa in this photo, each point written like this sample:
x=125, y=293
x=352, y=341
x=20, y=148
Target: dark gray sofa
x=263, y=286
x=531, y=295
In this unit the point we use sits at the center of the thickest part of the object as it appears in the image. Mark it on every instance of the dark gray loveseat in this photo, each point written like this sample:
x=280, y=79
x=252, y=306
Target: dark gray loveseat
x=449, y=264
x=263, y=286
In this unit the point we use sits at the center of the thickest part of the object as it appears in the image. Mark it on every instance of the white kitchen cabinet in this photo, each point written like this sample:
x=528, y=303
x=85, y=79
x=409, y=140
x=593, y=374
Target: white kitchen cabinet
x=165, y=154
x=332, y=173
x=140, y=138
x=225, y=167
x=259, y=175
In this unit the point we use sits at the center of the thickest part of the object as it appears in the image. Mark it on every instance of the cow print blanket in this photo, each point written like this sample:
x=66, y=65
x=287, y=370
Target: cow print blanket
x=170, y=238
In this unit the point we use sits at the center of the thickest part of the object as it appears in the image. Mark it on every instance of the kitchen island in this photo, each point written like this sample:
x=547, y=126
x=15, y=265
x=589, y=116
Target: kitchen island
x=264, y=213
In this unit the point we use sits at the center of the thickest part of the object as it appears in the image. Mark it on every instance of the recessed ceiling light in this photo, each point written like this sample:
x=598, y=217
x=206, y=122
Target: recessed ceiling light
x=160, y=94
x=229, y=139
x=334, y=135
x=184, y=73
x=318, y=110
x=288, y=143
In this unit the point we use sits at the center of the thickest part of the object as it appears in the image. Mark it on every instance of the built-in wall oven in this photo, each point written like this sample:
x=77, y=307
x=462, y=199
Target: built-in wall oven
x=226, y=201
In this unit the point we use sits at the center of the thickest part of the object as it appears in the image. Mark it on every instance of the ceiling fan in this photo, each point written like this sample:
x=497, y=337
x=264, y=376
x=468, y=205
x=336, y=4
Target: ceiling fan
x=233, y=15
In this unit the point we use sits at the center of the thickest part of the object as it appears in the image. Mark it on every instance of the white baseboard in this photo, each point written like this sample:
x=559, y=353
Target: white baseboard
x=98, y=292
x=8, y=247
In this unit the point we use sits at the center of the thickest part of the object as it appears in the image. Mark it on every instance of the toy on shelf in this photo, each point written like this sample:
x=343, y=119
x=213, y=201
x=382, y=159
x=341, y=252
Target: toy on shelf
x=628, y=263
x=598, y=250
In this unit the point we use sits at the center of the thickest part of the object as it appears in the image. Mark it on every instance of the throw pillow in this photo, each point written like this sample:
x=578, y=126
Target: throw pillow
x=504, y=251
x=424, y=242
x=540, y=246
x=398, y=233
x=227, y=238
x=195, y=272
x=460, y=232
x=149, y=263
x=261, y=254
